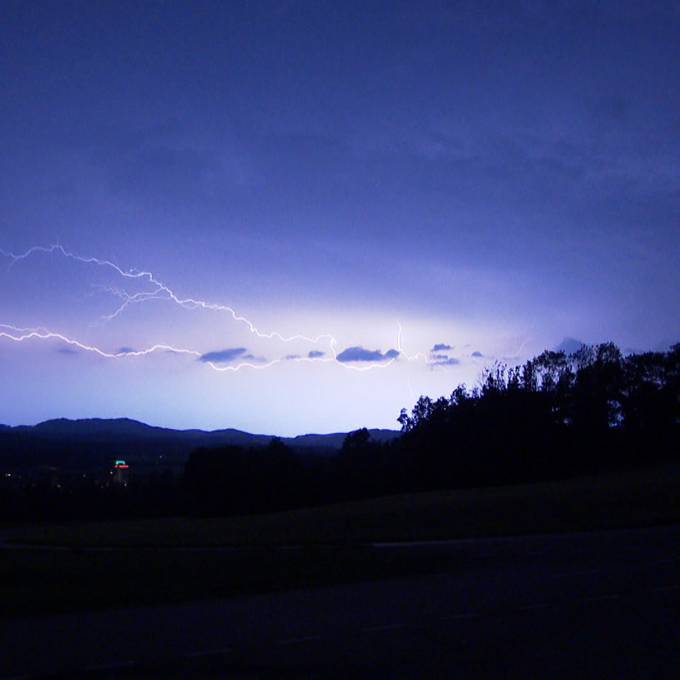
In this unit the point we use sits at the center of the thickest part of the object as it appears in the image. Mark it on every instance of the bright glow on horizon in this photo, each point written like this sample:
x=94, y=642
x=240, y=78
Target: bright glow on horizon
x=359, y=360
x=163, y=292
x=451, y=185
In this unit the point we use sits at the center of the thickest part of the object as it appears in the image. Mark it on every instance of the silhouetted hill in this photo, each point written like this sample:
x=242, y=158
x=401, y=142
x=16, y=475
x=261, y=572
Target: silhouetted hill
x=569, y=346
x=95, y=441
x=122, y=427
x=94, y=426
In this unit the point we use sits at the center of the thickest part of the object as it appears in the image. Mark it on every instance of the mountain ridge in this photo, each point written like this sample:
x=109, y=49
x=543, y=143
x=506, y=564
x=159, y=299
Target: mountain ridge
x=91, y=444
x=84, y=427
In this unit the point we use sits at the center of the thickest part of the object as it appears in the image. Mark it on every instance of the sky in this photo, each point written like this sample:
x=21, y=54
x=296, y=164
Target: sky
x=289, y=217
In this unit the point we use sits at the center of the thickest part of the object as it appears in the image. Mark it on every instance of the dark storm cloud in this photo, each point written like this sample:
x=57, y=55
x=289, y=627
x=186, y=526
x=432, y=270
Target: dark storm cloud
x=145, y=161
x=361, y=354
x=155, y=171
x=68, y=350
x=125, y=350
x=477, y=354
x=224, y=356
x=291, y=357
x=441, y=347
x=536, y=144
x=315, y=354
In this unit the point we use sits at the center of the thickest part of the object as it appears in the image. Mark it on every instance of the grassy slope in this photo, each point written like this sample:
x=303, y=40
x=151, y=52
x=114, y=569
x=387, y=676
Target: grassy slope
x=144, y=571
x=629, y=498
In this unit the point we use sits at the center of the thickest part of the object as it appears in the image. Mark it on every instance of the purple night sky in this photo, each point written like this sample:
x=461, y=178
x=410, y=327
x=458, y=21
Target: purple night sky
x=299, y=216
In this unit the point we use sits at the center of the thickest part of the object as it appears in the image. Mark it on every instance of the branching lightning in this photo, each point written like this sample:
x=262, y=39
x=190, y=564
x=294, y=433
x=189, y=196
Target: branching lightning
x=161, y=291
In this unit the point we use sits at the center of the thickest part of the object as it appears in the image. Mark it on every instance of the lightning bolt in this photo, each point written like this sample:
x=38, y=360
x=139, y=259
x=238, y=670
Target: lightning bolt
x=161, y=291
x=418, y=356
x=17, y=334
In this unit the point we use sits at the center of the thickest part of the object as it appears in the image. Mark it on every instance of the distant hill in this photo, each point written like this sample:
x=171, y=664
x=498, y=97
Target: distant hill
x=93, y=426
x=123, y=427
x=569, y=346
x=95, y=441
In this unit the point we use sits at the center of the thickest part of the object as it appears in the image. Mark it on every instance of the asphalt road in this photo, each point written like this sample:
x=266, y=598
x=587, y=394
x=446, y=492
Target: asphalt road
x=597, y=605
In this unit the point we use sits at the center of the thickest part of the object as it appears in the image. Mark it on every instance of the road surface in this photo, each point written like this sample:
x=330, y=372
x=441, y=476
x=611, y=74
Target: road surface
x=591, y=605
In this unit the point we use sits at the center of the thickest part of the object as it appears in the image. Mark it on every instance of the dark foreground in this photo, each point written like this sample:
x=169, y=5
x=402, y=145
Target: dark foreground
x=599, y=605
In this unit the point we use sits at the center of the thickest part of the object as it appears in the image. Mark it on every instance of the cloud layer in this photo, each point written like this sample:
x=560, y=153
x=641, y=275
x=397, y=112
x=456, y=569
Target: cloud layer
x=444, y=360
x=441, y=347
x=223, y=356
x=359, y=353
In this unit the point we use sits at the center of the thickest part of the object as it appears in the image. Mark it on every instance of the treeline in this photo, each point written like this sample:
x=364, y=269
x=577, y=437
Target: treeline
x=556, y=416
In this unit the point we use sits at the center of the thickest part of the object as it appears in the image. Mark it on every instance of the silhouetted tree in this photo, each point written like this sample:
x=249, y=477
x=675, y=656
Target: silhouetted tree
x=555, y=415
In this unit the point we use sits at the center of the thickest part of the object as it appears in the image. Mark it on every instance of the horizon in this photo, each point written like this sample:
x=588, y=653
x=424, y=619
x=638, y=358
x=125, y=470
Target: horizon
x=567, y=347
x=301, y=217
x=197, y=429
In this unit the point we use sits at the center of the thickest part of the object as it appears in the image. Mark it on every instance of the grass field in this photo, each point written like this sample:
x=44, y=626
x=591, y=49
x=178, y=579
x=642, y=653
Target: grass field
x=150, y=561
x=640, y=497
